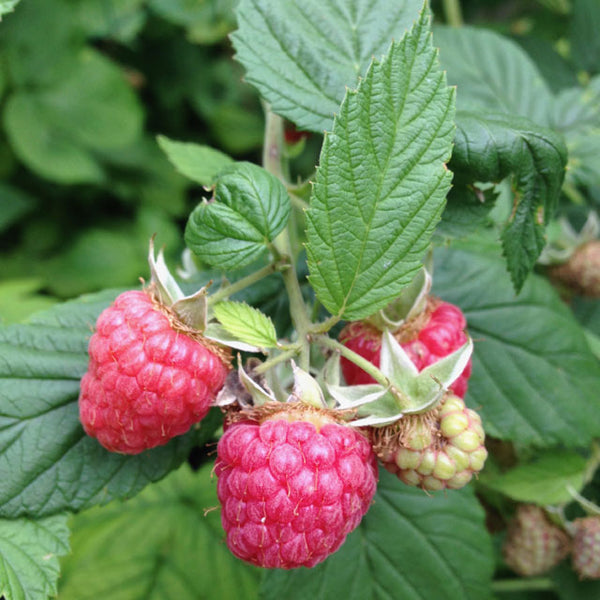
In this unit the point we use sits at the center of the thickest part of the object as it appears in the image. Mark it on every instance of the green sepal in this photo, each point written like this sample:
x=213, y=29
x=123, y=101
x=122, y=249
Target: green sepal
x=306, y=388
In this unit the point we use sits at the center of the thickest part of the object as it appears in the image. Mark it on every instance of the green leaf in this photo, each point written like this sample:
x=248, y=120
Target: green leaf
x=568, y=586
x=409, y=546
x=121, y=20
x=29, y=552
x=492, y=74
x=301, y=54
x=246, y=323
x=14, y=204
x=490, y=147
x=19, y=298
x=543, y=481
x=54, y=130
x=165, y=544
x=59, y=466
x=200, y=163
x=583, y=35
x=250, y=208
x=7, y=6
x=381, y=184
x=534, y=377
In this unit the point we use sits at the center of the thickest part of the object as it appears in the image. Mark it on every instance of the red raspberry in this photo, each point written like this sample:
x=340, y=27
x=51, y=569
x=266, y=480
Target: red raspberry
x=292, y=486
x=433, y=334
x=149, y=378
x=586, y=547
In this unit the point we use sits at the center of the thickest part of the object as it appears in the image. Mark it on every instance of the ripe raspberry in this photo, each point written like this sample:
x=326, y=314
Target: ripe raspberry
x=586, y=547
x=581, y=273
x=533, y=544
x=436, y=450
x=149, y=378
x=292, y=485
x=435, y=333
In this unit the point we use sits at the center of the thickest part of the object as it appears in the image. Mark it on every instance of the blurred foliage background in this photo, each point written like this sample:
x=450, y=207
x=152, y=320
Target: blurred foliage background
x=85, y=87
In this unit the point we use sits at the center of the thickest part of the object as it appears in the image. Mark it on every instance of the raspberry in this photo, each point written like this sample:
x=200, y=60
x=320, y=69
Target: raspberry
x=586, y=547
x=581, y=273
x=149, y=378
x=292, y=485
x=436, y=450
x=534, y=545
x=433, y=334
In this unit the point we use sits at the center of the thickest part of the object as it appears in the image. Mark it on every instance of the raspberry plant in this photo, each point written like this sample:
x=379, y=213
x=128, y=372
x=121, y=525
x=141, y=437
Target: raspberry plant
x=381, y=264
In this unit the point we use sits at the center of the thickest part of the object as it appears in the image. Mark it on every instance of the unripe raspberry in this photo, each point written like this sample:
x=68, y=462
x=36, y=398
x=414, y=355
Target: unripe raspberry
x=292, y=485
x=455, y=453
x=586, y=547
x=533, y=544
x=149, y=377
x=432, y=335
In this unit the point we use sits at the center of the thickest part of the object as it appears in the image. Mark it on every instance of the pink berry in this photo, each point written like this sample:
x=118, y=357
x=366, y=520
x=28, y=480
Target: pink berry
x=586, y=547
x=292, y=486
x=148, y=378
x=433, y=334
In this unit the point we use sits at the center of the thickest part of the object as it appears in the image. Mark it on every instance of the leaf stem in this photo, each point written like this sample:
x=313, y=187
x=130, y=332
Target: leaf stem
x=245, y=282
x=516, y=585
x=453, y=12
x=326, y=342
x=268, y=364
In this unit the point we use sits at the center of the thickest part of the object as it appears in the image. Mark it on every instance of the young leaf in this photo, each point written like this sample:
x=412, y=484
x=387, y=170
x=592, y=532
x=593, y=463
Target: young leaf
x=251, y=207
x=246, y=323
x=408, y=547
x=492, y=73
x=170, y=546
x=534, y=377
x=301, y=54
x=489, y=147
x=47, y=462
x=199, y=163
x=381, y=183
x=543, y=481
x=29, y=552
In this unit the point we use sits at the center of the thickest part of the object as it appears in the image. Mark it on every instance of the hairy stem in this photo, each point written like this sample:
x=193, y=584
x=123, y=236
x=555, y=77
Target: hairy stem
x=244, y=282
x=453, y=13
x=269, y=364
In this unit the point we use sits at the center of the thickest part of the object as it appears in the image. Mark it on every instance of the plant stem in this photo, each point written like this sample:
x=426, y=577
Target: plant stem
x=326, y=342
x=273, y=158
x=268, y=364
x=243, y=283
x=573, y=194
x=453, y=13
x=517, y=585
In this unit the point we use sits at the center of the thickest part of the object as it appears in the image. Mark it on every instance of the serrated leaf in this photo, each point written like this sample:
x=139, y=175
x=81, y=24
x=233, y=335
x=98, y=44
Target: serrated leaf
x=47, y=463
x=250, y=208
x=381, y=183
x=492, y=74
x=170, y=547
x=29, y=552
x=409, y=546
x=534, y=377
x=246, y=323
x=490, y=147
x=199, y=163
x=543, y=481
x=583, y=35
x=301, y=54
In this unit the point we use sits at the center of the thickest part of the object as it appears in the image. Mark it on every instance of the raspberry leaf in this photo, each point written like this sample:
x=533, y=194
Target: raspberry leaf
x=199, y=163
x=543, y=481
x=182, y=555
x=301, y=54
x=490, y=147
x=29, y=552
x=534, y=376
x=59, y=466
x=249, y=209
x=444, y=546
x=246, y=323
x=381, y=183
x=7, y=6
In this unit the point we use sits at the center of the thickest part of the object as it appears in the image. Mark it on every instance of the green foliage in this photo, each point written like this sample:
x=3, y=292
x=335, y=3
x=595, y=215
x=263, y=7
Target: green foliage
x=301, y=54
x=247, y=324
x=29, y=553
x=435, y=543
x=585, y=46
x=381, y=182
x=534, y=376
x=166, y=543
x=7, y=6
x=251, y=207
x=40, y=367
